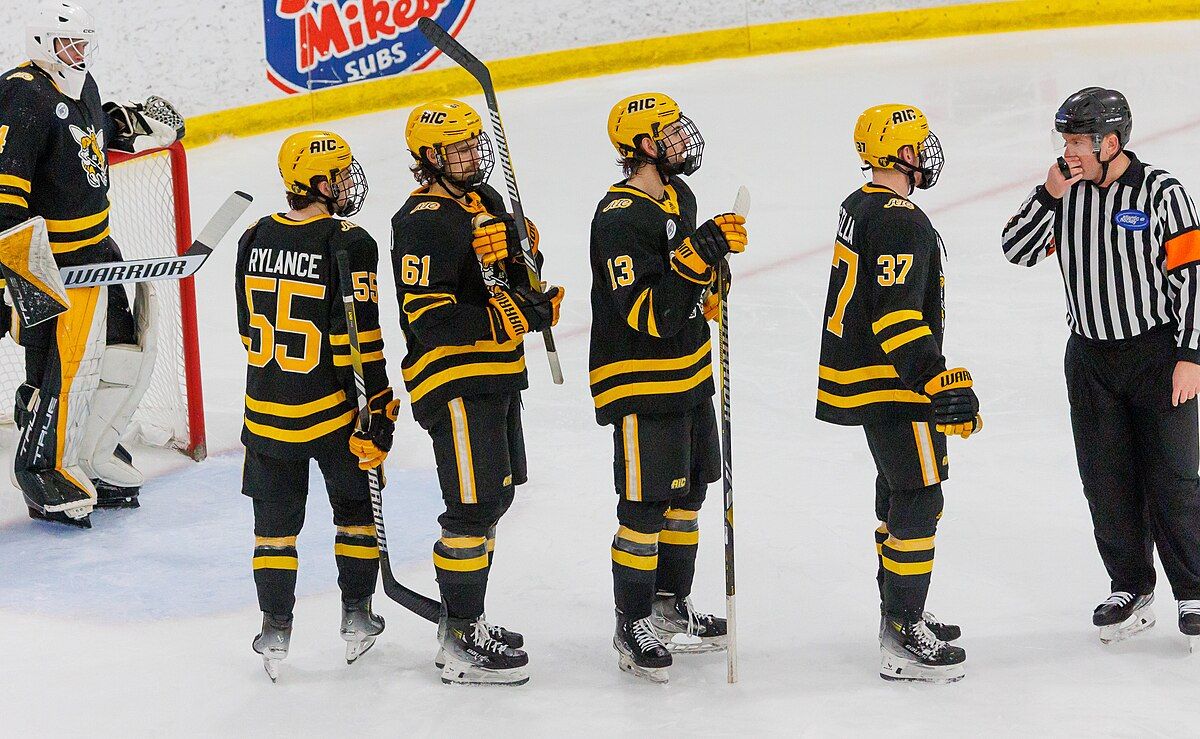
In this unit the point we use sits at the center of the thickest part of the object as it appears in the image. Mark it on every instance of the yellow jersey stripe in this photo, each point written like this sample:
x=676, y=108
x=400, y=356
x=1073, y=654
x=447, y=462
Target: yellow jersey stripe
x=634, y=561
x=11, y=180
x=476, y=369
x=862, y=374
x=649, y=365
x=14, y=200
x=76, y=224
x=909, y=545
x=658, y=387
x=410, y=373
x=302, y=435
x=280, y=218
x=413, y=316
x=363, y=338
x=896, y=316
x=907, y=568
x=345, y=360
x=896, y=342
x=59, y=247
x=877, y=396
x=634, y=317
x=651, y=324
x=355, y=552
x=301, y=410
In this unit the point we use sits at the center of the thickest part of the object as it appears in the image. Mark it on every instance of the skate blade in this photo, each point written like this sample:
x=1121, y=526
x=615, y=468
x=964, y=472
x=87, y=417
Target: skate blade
x=1138, y=621
x=272, y=668
x=902, y=669
x=117, y=503
x=657, y=675
x=685, y=644
x=462, y=673
x=440, y=659
x=357, y=648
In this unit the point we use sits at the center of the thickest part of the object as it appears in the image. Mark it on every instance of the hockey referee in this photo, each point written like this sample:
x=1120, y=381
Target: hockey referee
x=1128, y=244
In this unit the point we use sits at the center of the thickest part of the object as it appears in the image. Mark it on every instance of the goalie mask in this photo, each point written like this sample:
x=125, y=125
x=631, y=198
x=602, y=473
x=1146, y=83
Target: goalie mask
x=61, y=41
x=309, y=155
x=654, y=115
x=882, y=131
x=453, y=132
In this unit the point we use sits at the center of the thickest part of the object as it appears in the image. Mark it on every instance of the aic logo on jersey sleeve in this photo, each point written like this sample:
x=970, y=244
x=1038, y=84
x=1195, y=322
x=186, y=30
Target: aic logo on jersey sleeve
x=313, y=44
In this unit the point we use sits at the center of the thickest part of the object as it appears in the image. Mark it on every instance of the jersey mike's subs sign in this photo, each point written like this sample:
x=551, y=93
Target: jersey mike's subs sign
x=312, y=44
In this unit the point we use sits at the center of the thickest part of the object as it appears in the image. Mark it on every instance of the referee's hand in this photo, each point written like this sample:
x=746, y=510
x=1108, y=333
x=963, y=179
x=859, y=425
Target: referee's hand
x=1056, y=184
x=1185, y=382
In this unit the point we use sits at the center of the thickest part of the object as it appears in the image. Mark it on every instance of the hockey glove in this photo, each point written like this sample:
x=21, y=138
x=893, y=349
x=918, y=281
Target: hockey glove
x=955, y=407
x=141, y=126
x=372, y=444
x=494, y=238
x=514, y=313
x=699, y=253
x=712, y=303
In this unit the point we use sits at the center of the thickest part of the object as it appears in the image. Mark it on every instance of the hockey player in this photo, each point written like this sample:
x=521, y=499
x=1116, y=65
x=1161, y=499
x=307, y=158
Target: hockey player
x=651, y=376
x=465, y=309
x=87, y=369
x=882, y=368
x=1133, y=358
x=300, y=390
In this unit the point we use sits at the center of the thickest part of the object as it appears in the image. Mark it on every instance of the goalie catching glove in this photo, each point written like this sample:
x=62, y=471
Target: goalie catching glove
x=515, y=312
x=495, y=238
x=372, y=444
x=699, y=253
x=141, y=126
x=955, y=407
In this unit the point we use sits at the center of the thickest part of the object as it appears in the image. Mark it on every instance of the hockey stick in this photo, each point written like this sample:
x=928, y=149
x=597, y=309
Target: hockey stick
x=741, y=206
x=477, y=69
x=427, y=608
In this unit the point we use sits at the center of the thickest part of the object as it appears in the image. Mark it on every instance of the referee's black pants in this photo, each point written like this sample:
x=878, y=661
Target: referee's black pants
x=1138, y=458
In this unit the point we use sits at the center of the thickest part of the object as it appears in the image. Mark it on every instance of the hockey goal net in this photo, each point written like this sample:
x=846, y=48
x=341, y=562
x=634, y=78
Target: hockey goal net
x=149, y=217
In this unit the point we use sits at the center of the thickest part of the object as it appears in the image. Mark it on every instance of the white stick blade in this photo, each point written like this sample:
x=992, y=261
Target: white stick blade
x=220, y=223
x=741, y=204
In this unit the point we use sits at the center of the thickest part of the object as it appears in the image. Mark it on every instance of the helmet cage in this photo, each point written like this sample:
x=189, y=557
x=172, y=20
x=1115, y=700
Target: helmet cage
x=482, y=155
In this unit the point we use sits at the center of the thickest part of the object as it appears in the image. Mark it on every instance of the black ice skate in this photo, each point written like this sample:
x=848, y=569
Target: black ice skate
x=499, y=633
x=1189, y=623
x=1122, y=615
x=639, y=650
x=943, y=631
x=109, y=495
x=683, y=629
x=273, y=641
x=49, y=496
x=474, y=657
x=910, y=651
x=360, y=626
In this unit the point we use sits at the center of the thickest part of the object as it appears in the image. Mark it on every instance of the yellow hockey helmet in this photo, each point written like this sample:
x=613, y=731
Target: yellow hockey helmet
x=307, y=155
x=438, y=125
x=653, y=114
x=883, y=130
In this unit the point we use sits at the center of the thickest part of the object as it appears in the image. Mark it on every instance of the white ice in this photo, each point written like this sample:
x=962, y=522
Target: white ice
x=143, y=625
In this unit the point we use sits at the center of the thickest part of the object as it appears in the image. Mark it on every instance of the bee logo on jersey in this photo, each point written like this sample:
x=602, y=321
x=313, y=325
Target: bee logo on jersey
x=313, y=44
x=91, y=154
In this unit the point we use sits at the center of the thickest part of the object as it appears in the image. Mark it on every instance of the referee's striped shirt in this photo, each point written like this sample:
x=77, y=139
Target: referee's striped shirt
x=1129, y=254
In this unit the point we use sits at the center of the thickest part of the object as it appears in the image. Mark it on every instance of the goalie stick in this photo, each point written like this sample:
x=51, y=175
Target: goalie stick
x=427, y=608
x=477, y=69
x=741, y=206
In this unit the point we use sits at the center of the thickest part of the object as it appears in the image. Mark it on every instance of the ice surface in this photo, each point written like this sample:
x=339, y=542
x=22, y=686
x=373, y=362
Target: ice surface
x=144, y=624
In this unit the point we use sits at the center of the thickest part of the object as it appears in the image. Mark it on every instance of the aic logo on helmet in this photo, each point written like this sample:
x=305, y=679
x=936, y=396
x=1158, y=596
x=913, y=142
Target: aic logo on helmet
x=313, y=44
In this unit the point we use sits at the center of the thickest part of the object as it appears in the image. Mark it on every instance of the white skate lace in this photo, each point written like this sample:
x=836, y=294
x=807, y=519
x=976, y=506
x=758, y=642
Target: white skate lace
x=1120, y=599
x=484, y=640
x=925, y=639
x=1189, y=607
x=644, y=635
x=496, y=632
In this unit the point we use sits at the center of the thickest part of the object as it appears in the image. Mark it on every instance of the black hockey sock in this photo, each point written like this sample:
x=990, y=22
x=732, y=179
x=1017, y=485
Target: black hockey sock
x=677, y=545
x=634, y=564
x=907, y=564
x=461, y=565
x=881, y=535
x=275, y=566
x=357, y=553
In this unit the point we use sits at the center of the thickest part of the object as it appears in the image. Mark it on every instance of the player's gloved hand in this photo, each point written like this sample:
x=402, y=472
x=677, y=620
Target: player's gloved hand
x=700, y=252
x=141, y=126
x=372, y=444
x=712, y=303
x=516, y=312
x=955, y=407
x=494, y=238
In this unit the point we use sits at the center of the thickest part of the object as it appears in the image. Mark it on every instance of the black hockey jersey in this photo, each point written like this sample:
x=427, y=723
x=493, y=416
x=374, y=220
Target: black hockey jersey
x=881, y=335
x=650, y=346
x=454, y=349
x=299, y=380
x=53, y=163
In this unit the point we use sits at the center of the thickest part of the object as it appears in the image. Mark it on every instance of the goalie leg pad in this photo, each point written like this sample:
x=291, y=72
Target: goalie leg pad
x=125, y=374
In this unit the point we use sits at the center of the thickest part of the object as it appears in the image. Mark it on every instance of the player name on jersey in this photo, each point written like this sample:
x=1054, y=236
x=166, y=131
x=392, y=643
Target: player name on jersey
x=293, y=264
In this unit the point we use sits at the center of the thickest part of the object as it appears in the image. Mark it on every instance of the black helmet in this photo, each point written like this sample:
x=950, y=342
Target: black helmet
x=1096, y=111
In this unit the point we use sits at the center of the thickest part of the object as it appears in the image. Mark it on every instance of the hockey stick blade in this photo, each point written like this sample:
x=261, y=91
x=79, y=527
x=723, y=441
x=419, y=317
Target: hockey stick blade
x=427, y=608
x=162, y=268
x=741, y=203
